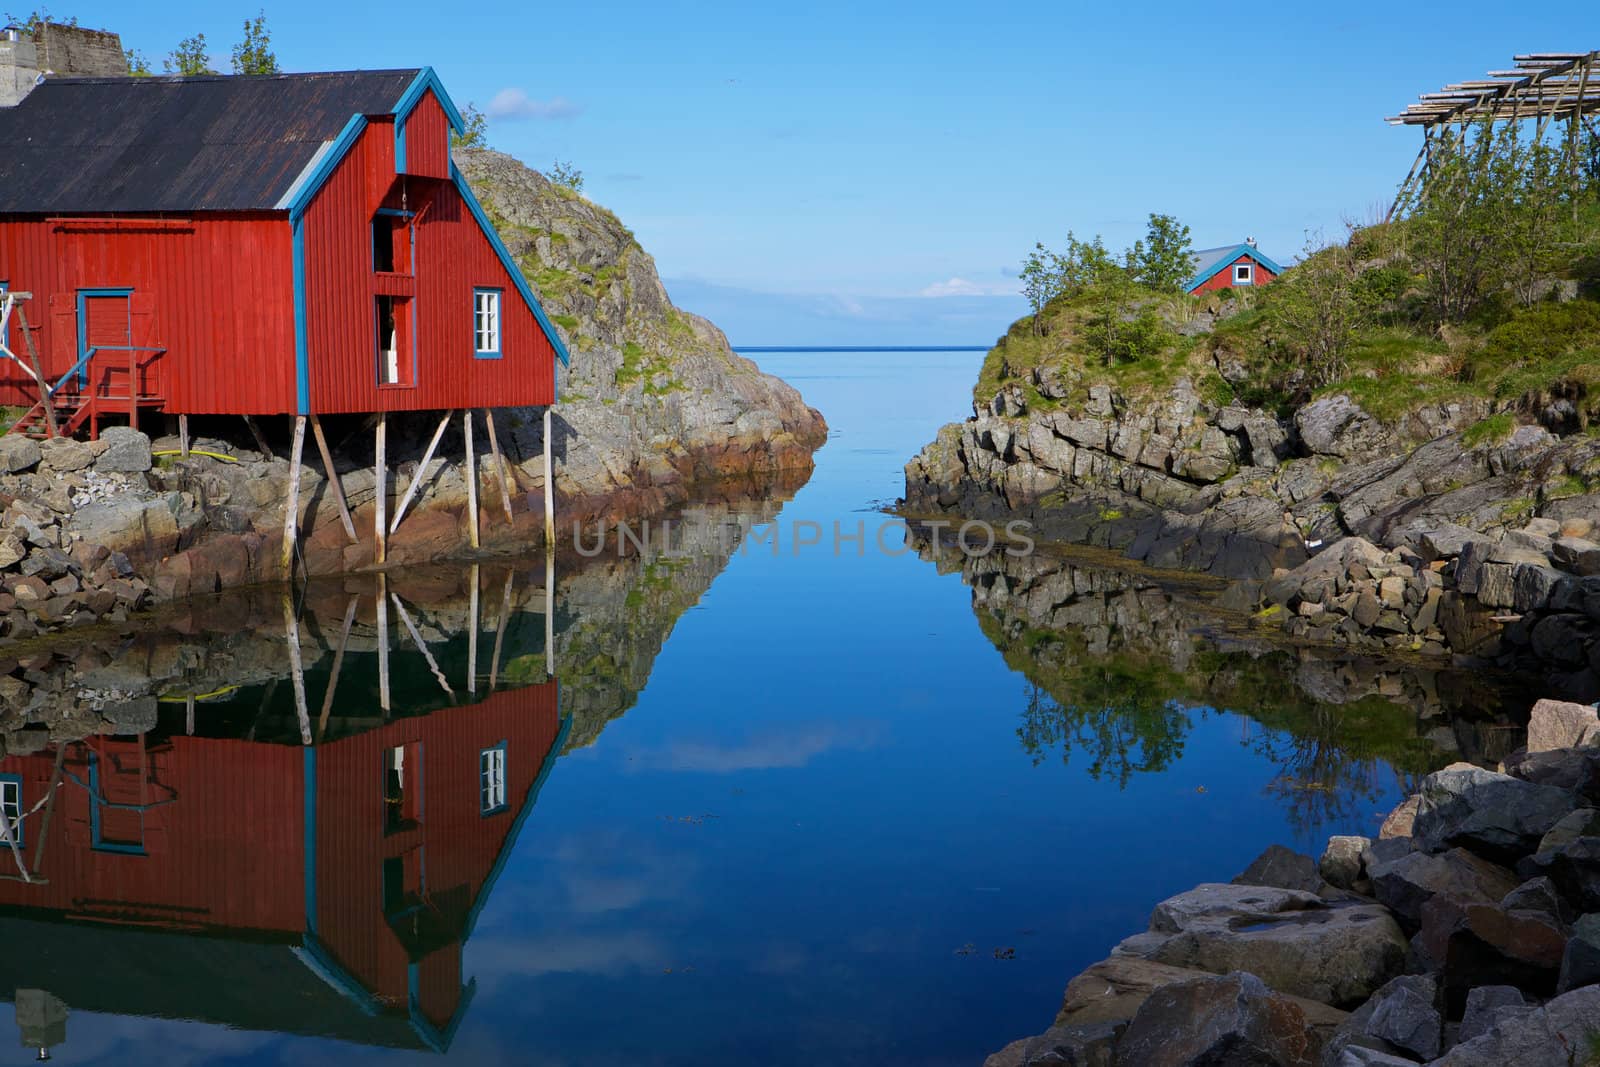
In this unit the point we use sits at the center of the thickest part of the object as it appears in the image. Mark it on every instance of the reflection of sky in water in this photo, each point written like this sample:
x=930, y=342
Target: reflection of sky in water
x=819, y=798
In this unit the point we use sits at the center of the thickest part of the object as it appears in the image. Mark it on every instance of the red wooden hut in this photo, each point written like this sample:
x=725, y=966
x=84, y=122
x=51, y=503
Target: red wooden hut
x=294, y=244
x=291, y=244
x=1231, y=267
x=322, y=890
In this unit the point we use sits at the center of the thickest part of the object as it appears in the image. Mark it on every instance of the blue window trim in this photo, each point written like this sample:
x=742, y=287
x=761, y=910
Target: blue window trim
x=510, y=264
x=505, y=802
x=95, y=804
x=83, y=334
x=499, y=322
x=16, y=780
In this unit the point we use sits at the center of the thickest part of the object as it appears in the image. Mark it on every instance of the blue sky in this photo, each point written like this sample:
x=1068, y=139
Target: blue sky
x=846, y=172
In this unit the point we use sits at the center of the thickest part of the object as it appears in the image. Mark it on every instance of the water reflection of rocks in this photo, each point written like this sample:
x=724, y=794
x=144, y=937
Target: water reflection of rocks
x=1122, y=664
x=285, y=813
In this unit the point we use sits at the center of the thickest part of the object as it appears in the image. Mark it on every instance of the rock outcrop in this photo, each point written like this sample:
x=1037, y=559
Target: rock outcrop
x=1343, y=530
x=1502, y=965
x=655, y=400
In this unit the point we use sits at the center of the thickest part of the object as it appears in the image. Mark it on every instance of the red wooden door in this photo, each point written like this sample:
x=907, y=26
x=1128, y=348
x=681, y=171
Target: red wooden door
x=108, y=324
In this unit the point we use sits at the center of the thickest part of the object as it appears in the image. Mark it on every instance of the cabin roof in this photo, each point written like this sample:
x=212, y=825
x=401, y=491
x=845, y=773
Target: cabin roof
x=178, y=144
x=1208, y=261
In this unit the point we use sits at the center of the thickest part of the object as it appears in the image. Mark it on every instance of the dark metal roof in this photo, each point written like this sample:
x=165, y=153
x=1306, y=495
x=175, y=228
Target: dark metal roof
x=172, y=144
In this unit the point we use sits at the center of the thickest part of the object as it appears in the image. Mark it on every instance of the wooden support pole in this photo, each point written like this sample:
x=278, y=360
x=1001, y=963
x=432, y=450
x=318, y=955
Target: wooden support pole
x=472, y=481
x=334, y=481
x=422, y=646
x=380, y=470
x=188, y=715
x=550, y=609
x=38, y=372
x=183, y=436
x=297, y=672
x=473, y=623
x=549, y=490
x=291, y=508
x=261, y=442
x=500, y=628
x=338, y=662
x=499, y=464
x=422, y=470
x=49, y=808
x=383, y=642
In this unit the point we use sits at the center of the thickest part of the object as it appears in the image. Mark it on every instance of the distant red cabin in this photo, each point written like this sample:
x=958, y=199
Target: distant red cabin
x=292, y=244
x=322, y=889
x=1231, y=267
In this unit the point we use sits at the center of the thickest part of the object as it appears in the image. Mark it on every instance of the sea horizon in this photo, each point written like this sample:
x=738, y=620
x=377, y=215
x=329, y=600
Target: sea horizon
x=862, y=348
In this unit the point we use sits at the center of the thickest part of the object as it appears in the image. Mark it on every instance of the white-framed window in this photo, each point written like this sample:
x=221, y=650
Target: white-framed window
x=492, y=779
x=1243, y=274
x=11, y=805
x=486, y=323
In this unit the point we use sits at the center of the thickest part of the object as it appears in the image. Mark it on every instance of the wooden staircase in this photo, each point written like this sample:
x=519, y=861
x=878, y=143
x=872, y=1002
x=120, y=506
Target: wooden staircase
x=73, y=410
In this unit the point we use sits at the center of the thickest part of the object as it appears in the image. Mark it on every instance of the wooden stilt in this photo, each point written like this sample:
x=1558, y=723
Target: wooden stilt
x=422, y=470
x=291, y=508
x=297, y=673
x=383, y=643
x=334, y=481
x=550, y=609
x=38, y=373
x=338, y=661
x=380, y=533
x=261, y=442
x=49, y=808
x=422, y=646
x=188, y=716
x=500, y=629
x=472, y=481
x=549, y=490
x=499, y=464
x=183, y=436
x=473, y=624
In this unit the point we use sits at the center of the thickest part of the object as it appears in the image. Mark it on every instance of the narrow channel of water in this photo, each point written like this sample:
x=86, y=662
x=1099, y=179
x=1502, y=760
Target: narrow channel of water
x=781, y=801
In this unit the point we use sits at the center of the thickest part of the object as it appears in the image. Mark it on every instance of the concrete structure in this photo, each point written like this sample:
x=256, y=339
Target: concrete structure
x=26, y=56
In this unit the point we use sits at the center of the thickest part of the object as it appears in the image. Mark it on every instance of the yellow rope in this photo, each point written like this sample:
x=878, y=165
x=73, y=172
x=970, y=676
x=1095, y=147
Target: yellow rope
x=169, y=699
x=193, y=452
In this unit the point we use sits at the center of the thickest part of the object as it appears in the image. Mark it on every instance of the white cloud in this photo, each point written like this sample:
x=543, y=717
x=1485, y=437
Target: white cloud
x=514, y=104
x=963, y=287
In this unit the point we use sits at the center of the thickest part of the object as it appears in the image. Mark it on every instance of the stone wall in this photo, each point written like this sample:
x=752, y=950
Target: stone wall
x=79, y=52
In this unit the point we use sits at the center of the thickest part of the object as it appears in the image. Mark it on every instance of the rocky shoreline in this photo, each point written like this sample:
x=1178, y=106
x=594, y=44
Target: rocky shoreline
x=1341, y=530
x=1466, y=934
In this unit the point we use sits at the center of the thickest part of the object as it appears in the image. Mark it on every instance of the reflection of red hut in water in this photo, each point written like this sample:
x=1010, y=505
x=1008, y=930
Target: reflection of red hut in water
x=322, y=890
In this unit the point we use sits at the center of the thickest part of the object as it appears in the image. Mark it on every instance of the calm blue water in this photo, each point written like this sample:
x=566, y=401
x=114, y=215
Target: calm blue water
x=814, y=828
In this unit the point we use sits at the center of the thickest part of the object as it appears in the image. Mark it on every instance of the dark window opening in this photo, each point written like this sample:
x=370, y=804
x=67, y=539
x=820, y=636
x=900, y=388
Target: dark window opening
x=383, y=244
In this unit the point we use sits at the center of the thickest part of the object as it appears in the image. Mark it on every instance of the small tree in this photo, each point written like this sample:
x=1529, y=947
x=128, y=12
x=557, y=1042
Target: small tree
x=567, y=176
x=138, y=63
x=189, y=58
x=1318, y=306
x=254, y=54
x=1040, y=282
x=476, y=134
x=1164, y=260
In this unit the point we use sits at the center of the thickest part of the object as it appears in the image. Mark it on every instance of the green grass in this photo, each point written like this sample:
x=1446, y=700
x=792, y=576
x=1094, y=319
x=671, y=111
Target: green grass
x=1493, y=430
